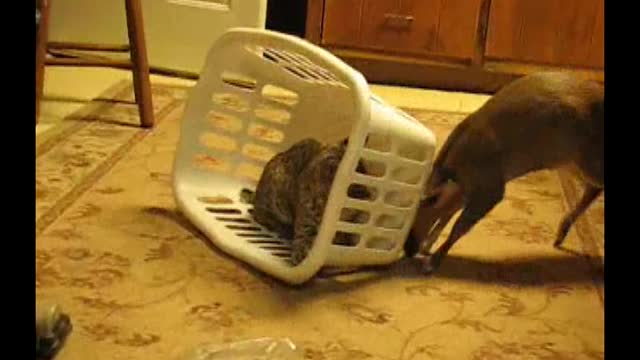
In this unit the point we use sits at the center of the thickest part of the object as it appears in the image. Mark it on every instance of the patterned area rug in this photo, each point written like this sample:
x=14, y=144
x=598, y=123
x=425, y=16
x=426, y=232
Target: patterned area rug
x=140, y=283
x=590, y=226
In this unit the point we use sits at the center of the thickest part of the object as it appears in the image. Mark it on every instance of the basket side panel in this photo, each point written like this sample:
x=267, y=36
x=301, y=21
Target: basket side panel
x=397, y=154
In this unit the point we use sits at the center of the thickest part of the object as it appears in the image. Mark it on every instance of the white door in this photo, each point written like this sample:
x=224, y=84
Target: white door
x=178, y=32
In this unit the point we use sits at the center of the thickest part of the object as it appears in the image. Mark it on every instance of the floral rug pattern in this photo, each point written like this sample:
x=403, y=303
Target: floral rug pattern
x=140, y=283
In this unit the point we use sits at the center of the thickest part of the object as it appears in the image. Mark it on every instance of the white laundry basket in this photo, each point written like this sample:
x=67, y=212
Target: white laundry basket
x=259, y=93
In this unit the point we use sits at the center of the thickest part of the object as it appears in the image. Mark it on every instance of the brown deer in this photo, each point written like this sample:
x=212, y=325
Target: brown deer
x=540, y=121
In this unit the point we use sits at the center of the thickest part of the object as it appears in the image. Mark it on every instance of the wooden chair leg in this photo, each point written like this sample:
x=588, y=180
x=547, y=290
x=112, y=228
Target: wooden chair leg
x=41, y=50
x=141, y=83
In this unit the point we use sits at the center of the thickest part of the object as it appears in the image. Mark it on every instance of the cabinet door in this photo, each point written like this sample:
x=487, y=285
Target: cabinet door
x=551, y=32
x=444, y=28
x=342, y=20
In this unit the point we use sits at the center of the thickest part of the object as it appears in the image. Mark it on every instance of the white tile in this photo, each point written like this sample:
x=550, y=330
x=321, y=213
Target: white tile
x=81, y=83
x=42, y=128
x=418, y=98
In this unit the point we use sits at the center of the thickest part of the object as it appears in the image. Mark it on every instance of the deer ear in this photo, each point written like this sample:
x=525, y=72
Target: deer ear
x=448, y=195
x=438, y=178
x=431, y=200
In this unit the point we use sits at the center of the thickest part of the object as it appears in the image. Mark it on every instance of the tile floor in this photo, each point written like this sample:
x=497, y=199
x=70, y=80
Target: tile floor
x=68, y=89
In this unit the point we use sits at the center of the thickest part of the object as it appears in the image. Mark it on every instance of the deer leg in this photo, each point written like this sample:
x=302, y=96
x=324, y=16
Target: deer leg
x=478, y=205
x=590, y=194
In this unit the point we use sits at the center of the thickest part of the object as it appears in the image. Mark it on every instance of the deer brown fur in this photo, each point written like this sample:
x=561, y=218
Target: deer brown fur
x=538, y=122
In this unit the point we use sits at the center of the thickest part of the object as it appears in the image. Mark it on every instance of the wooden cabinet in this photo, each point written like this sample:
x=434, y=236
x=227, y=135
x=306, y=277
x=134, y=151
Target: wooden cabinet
x=473, y=45
x=564, y=33
x=341, y=25
x=444, y=29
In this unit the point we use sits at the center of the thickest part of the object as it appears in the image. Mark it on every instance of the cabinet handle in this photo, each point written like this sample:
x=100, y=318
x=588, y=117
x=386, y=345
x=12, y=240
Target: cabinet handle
x=398, y=20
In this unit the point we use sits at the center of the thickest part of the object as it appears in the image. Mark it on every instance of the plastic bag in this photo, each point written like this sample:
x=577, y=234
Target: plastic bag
x=256, y=349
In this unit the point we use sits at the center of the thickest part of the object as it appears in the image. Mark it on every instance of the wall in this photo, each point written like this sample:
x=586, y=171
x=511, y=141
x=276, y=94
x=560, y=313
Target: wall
x=288, y=16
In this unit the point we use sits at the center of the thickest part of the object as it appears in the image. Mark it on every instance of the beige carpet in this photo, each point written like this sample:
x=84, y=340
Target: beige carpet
x=140, y=283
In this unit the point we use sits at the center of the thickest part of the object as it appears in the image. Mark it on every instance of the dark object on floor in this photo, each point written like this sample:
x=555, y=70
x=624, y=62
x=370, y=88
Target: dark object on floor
x=52, y=329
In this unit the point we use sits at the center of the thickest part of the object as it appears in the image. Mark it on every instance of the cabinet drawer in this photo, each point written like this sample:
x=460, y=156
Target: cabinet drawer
x=430, y=27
